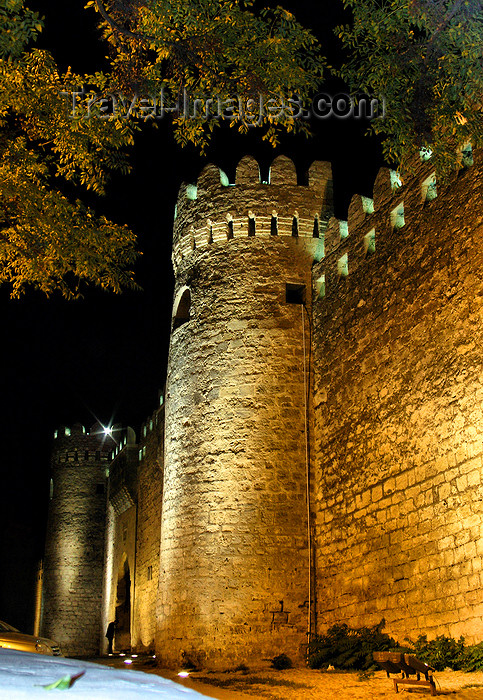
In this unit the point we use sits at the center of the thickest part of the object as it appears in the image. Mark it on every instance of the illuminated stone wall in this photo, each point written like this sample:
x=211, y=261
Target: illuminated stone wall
x=213, y=529
x=234, y=558
x=75, y=539
x=150, y=492
x=398, y=401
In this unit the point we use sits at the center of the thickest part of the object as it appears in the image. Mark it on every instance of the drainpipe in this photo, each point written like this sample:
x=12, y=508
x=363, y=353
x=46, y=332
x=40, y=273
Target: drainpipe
x=307, y=473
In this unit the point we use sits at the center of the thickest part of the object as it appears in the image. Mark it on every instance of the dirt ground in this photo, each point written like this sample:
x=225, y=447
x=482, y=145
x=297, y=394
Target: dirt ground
x=307, y=684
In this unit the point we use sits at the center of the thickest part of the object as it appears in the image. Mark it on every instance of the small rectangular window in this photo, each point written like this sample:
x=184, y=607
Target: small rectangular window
x=315, y=230
x=396, y=181
x=150, y=573
x=425, y=154
x=251, y=225
x=467, y=156
x=295, y=293
x=99, y=488
x=320, y=286
x=428, y=188
x=343, y=265
x=397, y=216
x=273, y=226
x=370, y=242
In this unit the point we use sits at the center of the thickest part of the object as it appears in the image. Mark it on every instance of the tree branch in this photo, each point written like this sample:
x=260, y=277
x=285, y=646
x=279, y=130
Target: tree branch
x=118, y=28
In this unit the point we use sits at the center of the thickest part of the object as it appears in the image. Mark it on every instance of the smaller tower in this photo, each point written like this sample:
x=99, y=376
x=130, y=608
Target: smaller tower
x=75, y=539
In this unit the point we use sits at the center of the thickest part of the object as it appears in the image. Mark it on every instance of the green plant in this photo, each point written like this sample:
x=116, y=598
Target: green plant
x=281, y=662
x=440, y=653
x=347, y=648
x=473, y=658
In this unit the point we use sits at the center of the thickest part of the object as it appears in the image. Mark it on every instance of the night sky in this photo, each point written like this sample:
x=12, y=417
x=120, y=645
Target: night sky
x=104, y=357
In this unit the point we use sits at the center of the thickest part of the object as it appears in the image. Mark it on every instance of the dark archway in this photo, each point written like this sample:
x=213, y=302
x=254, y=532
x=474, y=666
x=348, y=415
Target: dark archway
x=182, y=311
x=123, y=609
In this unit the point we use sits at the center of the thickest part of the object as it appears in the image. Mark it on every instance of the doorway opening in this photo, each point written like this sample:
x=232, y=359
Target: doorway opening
x=123, y=608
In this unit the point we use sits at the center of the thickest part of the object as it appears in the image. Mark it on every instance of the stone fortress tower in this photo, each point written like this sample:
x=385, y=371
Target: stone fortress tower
x=234, y=579
x=74, y=553
x=317, y=456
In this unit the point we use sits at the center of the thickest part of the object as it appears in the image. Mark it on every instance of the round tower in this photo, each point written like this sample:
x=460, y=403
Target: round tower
x=72, y=589
x=234, y=569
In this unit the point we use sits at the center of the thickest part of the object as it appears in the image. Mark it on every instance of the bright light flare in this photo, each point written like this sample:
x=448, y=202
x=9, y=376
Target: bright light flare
x=183, y=674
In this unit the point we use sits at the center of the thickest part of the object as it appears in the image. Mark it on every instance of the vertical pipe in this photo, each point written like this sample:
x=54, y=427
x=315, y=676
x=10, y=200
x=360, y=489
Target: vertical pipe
x=307, y=476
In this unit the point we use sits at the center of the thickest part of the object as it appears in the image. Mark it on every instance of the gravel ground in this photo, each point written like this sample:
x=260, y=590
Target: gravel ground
x=307, y=684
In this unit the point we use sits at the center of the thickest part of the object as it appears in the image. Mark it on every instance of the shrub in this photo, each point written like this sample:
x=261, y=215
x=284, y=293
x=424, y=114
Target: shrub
x=281, y=662
x=473, y=658
x=440, y=653
x=347, y=648
x=352, y=649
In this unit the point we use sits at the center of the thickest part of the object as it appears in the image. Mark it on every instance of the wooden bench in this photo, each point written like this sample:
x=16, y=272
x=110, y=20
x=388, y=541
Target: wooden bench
x=407, y=665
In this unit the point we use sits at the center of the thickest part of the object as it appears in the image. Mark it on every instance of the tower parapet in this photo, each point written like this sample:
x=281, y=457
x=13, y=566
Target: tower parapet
x=213, y=211
x=393, y=209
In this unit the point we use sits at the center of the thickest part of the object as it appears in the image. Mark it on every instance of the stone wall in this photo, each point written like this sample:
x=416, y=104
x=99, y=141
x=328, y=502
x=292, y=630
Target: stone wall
x=74, y=543
x=398, y=395
x=234, y=557
x=150, y=493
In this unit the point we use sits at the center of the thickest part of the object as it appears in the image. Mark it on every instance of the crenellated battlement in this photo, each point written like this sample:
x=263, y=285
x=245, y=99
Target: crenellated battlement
x=213, y=211
x=396, y=208
x=76, y=445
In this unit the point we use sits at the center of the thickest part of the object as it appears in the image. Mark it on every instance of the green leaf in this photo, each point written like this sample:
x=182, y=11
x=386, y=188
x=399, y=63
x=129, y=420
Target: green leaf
x=65, y=682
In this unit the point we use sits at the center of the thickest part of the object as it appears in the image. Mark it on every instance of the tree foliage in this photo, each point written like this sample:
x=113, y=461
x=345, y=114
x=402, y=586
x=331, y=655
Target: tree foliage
x=47, y=240
x=425, y=57
x=19, y=25
x=213, y=50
